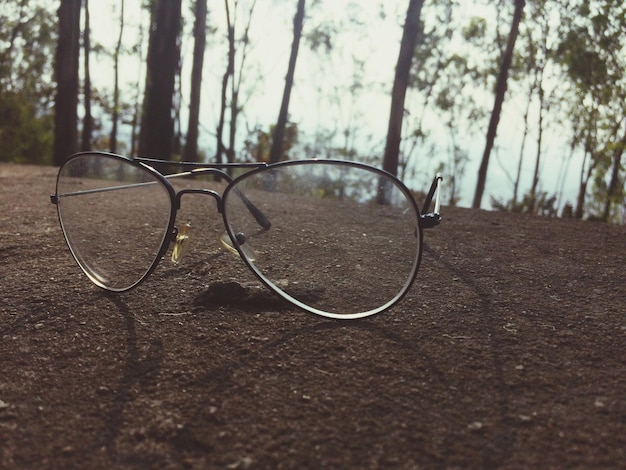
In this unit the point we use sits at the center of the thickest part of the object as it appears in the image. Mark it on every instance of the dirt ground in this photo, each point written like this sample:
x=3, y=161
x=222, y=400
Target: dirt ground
x=508, y=352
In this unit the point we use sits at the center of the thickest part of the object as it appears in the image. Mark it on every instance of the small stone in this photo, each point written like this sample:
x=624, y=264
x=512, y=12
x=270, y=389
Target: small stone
x=475, y=426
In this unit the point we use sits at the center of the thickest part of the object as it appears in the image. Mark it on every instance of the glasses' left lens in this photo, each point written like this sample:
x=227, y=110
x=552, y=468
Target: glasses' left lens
x=338, y=239
x=115, y=215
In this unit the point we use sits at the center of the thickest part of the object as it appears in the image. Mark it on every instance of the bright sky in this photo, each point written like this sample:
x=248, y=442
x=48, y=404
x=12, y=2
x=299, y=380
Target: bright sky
x=377, y=48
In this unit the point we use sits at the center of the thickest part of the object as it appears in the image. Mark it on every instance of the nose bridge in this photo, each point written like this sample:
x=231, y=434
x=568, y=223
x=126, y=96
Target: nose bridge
x=207, y=192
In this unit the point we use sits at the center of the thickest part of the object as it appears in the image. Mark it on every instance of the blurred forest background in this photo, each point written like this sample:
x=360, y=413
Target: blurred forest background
x=520, y=104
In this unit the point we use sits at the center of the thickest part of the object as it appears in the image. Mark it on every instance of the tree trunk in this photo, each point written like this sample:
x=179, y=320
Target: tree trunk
x=234, y=115
x=501, y=87
x=278, y=135
x=400, y=84
x=137, y=104
x=535, y=184
x=199, y=33
x=584, y=179
x=229, y=74
x=562, y=175
x=177, y=147
x=116, y=89
x=520, y=161
x=88, y=118
x=613, y=189
x=157, y=126
x=66, y=73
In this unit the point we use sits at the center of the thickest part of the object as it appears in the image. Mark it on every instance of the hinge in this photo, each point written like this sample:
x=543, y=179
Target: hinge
x=430, y=220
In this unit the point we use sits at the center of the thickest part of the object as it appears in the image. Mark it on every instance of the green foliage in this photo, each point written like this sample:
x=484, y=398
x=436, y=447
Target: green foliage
x=320, y=37
x=584, y=65
x=542, y=204
x=27, y=45
x=475, y=30
x=259, y=143
x=592, y=52
x=600, y=187
x=25, y=135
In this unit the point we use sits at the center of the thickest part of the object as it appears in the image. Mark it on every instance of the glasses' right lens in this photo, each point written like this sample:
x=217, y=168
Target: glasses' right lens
x=115, y=215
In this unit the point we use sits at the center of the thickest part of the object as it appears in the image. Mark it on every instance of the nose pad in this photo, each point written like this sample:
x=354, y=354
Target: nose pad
x=227, y=243
x=181, y=243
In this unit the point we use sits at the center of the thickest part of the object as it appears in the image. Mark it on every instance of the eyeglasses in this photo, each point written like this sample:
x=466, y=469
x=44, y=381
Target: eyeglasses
x=313, y=231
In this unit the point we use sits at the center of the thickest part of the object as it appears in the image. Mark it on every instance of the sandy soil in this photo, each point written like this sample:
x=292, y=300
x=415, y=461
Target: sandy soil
x=507, y=352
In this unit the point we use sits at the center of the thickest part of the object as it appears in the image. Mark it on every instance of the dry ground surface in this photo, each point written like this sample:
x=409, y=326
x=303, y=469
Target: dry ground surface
x=508, y=352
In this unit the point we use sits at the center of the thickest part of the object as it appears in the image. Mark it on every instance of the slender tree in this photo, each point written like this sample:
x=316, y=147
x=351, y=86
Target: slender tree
x=400, y=84
x=199, y=34
x=138, y=89
x=615, y=189
x=66, y=72
x=230, y=70
x=235, y=84
x=157, y=126
x=501, y=86
x=520, y=161
x=441, y=78
x=116, y=82
x=540, y=129
x=539, y=64
x=529, y=72
x=87, y=118
x=279, y=130
x=232, y=80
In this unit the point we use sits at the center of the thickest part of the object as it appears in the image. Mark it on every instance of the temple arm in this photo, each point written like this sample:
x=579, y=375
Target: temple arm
x=199, y=169
x=432, y=219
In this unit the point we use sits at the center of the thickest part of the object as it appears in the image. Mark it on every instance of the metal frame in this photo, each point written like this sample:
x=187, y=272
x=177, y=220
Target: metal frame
x=425, y=219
